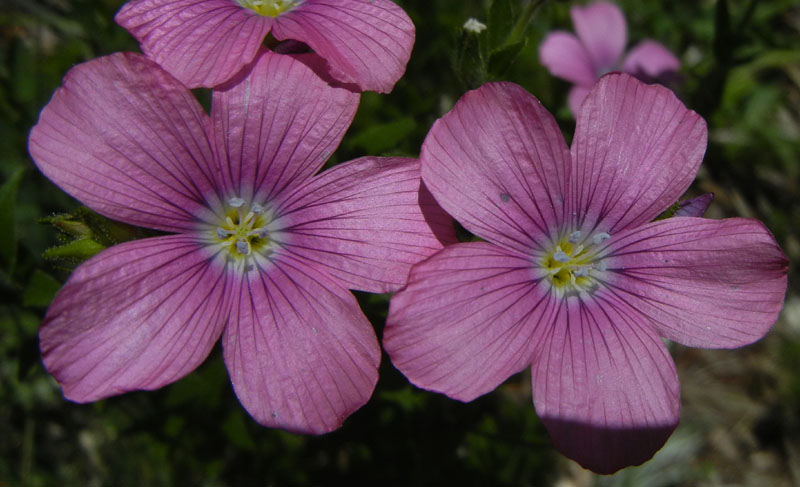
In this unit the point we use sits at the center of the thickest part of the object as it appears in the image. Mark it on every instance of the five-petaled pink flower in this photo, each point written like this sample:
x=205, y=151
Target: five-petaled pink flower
x=597, y=50
x=206, y=42
x=261, y=253
x=575, y=279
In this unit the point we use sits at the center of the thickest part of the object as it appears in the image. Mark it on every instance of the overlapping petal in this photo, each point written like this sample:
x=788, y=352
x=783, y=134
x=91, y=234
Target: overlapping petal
x=575, y=98
x=636, y=150
x=604, y=385
x=498, y=164
x=138, y=315
x=469, y=318
x=700, y=282
x=200, y=42
x=651, y=59
x=300, y=353
x=278, y=125
x=564, y=55
x=696, y=206
x=365, y=221
x=365, y=42
x=602, y=29
x=129, y=141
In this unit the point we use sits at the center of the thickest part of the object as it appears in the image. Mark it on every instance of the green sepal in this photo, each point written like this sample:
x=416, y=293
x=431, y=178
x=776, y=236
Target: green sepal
x=83, y=234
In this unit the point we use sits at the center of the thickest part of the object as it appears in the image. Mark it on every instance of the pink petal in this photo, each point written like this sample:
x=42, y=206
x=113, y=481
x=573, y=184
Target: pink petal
x=200, y=42
x=498, y=164
x=575, y=99
x=605, y=386
x=703, y=283
x=695, y=206
x=300, y=353
x=364, y=221
x=636, y=150
x=602, y=29
x=366, y=42
x=651, y=59
x=469, y=318
x=278, y=125
x=129, y=141
x=565, y=57
x=138, y=315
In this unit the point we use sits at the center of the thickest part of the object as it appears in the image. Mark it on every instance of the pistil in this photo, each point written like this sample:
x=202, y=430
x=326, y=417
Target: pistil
x=244, y=229
x=572, y=266
x=268, y=8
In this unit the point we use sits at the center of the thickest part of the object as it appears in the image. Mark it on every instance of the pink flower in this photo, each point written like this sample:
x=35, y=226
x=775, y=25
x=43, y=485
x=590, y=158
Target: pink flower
x=602, y=35
x=206, y=42
x=261, y=253
x=575, y=279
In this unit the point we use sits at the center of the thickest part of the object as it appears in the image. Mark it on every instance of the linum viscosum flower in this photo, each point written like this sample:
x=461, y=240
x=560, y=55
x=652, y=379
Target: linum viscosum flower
x=598, y=49
x=206, y=42
x=262, y=251
x=574, y=278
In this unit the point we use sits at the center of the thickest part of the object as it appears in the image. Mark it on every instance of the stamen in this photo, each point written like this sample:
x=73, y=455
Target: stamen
x=257, y=209
x=243, y=247
x=574, y=236
x=222, y=234
x=600, y=237
x=560, y=256
x=583, y=271
x=236, y=202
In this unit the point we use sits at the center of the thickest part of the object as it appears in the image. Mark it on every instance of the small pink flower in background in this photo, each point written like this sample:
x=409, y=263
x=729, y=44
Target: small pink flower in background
x=262, y=251
x=598, y=49
x=206, y=42
x=574, y=278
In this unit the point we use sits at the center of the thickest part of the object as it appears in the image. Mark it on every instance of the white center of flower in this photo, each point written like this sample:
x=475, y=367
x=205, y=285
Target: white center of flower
x=268, y=8
x=244, y=229
x=572, y=265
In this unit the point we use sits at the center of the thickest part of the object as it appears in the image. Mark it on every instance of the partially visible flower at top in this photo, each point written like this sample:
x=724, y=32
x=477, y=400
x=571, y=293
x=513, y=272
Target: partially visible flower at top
x=574, y=278
x=261, y=252
x=206, y=42
x=598, y=49
x=474, y=25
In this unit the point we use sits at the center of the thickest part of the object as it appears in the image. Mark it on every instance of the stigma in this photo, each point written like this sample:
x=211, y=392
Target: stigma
x=572, y=264
x=268, y=8
x=244, y=229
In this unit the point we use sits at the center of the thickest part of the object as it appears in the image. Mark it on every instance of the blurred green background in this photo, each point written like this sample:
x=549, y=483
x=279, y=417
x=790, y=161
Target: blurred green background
x=740, y=422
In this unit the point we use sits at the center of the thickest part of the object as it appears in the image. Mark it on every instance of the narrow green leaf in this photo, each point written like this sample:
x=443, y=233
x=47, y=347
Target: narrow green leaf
x=378, y=138
x=8, y=236
x=502, y=18
x=41, y=289
x=502, y=59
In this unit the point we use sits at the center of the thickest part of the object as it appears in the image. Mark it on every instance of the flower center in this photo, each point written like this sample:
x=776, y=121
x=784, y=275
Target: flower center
x=268, y=8
x=572, y=264
x=244, y=230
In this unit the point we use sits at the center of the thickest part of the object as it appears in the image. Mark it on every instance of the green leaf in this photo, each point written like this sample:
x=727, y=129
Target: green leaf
x=502, y=18
x=41, y=289
x=236, y=431
x=381, y=137
x=743, y=80
x=8, y=237
x=502, y=59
